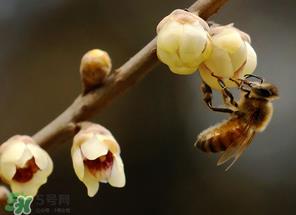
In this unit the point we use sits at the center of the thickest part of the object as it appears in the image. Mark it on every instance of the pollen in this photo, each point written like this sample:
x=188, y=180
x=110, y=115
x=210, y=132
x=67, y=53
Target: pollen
x=26, y=173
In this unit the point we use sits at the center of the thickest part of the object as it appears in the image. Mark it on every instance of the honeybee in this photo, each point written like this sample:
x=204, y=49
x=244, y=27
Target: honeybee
x=247, y=117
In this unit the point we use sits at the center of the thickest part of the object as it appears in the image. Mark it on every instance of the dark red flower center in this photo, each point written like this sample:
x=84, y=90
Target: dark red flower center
x=26, y=173
x=101, y=163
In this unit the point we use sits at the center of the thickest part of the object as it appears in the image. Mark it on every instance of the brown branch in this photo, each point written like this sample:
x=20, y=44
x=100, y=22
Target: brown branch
x=85, y=106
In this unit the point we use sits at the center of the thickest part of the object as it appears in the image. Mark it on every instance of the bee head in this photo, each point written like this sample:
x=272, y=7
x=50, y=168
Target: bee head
x=265, y=91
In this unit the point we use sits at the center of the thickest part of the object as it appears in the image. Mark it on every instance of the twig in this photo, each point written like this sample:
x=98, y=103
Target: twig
x=85, y=106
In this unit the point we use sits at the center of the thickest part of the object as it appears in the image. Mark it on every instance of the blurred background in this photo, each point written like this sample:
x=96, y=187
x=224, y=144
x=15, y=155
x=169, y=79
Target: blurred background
x=157, y=121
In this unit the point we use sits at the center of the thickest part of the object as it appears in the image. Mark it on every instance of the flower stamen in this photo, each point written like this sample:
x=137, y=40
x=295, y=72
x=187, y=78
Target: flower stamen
x=26, y=173
x=101, y=163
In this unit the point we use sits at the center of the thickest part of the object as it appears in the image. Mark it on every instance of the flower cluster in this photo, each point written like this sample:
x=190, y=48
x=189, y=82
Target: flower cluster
x=183, y=41
x=186, y=43
x=25, y=166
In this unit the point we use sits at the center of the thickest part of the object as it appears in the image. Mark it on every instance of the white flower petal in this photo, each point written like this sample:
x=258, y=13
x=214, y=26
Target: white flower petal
x=182, y=70
x=49, y=167
x=168, y=38
x=93, y=148
x=8, y=170
x=251, y=63
x=40, y=155
x=32, y=186
x=29, y=188
x=91, y=183
x=40, y=177
x=111, y=143
x=228, y=39
x=27, y=155
x=192, y=44
x=117, y=177
x=81, y=137
x=77, y=161
x=21, y=188
x=13, y=152
x=212, y=81
x=168, y=58
x=220, y=63
x=239, y=59
x=182, y=44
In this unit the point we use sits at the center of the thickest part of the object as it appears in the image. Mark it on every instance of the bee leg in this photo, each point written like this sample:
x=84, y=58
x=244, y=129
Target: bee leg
x=226, y=99
x=227, y=94
x=254, y=76
x=240, y=85
x=207, y=92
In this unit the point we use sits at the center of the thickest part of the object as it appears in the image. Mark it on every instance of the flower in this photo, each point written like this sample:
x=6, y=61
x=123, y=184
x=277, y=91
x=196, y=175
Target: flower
x=96, y=158
x=183, y=42
x=95, y=66
x=232, y=56
x=24, y=165
x=4, y=193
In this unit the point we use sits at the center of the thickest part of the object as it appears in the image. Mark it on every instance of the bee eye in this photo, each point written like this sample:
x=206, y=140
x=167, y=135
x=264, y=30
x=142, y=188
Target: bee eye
x=263, y=92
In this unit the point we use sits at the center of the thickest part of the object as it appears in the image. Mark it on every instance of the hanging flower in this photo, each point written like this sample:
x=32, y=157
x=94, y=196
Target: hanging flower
x=24, y=165
x=232, y=56
x=96, y=158
x=183, y=42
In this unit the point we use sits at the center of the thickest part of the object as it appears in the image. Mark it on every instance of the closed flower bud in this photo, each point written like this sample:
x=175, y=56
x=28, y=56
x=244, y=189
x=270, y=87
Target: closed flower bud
x=4, y=193
x=183, y=42
x=24, y=165
x=232, y=56
x=96, y=158
x=94, y=68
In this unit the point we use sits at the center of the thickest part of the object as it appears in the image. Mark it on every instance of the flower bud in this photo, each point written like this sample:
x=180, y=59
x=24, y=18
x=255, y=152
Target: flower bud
x=24, y=165
x=94, y=68
x=183, y=42
x=96, y=158
x=232, y=56
x=4, y=193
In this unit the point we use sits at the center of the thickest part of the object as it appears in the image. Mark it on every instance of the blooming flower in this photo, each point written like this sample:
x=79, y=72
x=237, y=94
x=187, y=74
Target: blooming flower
x=24, y=165
x=183, y=41
x=232, y=56
x=96, y=158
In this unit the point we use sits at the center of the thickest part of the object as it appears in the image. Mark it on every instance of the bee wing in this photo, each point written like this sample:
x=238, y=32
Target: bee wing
x=235, y=150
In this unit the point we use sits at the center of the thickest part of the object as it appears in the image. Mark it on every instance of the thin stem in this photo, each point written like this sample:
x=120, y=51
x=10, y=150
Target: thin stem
x=85, y=106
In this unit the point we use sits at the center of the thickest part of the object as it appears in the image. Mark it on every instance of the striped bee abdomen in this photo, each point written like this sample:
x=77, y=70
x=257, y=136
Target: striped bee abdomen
x=219, y=137
x=214, y=144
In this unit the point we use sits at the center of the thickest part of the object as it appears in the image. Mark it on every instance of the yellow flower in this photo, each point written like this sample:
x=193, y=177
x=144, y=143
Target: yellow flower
x=232, y=56
x=24, y=165
x=96, y=158
x=183, y=42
